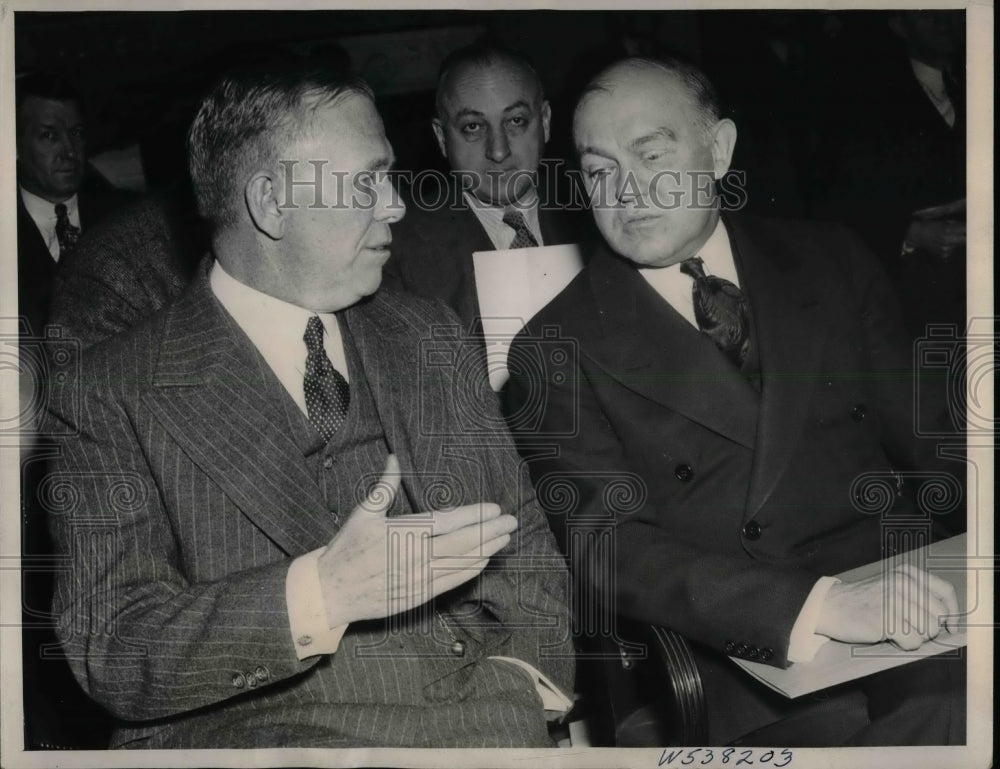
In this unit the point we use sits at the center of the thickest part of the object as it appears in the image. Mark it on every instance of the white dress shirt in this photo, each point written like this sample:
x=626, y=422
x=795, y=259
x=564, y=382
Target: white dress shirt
x=676, y=288
x=491, y=217
x=43, y=214
x=276, y=329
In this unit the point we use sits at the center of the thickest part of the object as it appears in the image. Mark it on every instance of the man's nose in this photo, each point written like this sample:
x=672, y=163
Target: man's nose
x=391, y=207
x=71, y=146
x=497, y=146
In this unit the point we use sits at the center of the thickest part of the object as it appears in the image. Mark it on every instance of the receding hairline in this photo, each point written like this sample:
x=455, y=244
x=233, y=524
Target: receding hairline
x=492, y=59
x=611, y=77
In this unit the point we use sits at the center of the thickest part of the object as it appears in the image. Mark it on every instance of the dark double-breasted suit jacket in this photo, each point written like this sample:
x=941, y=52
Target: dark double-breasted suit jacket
x=433, y=248
x=189, y=494
x=724, y=493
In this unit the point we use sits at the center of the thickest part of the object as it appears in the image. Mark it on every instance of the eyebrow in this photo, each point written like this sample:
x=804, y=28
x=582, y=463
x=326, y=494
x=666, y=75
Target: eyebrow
x=662, y=133
x=467, y=112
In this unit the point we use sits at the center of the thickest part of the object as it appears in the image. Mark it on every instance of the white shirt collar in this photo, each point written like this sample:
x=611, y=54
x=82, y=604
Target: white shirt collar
x=43, y=214
x=675, y=287
x=491, y=217
x=275, y=328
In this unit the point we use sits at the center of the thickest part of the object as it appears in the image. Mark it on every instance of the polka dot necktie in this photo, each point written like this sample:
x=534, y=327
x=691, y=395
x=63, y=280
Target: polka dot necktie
x=66, y=232
x=327, y=392
x=522, y=235
x=720, y=309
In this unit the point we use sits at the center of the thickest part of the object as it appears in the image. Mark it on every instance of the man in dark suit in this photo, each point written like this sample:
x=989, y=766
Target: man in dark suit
x=55, y=203
x=492, y=125
x=262, y=580
x=742, y=378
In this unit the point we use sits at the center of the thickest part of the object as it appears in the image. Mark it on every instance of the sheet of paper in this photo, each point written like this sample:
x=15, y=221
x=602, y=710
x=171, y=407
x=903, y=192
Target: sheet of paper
x=838, y=662
x=512, y=286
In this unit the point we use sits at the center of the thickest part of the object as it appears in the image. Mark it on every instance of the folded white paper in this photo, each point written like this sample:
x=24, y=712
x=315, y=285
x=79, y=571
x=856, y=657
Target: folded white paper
x=512, y=286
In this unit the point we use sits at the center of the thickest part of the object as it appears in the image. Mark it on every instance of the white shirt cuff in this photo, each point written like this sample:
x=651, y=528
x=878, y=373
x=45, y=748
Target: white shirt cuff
x=805, y=641
x=553, y=698
x=311, y=633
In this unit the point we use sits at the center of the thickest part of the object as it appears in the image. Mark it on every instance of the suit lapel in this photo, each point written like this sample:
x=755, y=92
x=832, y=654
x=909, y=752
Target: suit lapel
x=652, y=350
x=215, y=395
x=789, y=333
x=392, y=364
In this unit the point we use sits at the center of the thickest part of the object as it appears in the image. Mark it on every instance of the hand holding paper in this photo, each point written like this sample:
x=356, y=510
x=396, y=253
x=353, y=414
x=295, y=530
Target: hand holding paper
x=907, y=606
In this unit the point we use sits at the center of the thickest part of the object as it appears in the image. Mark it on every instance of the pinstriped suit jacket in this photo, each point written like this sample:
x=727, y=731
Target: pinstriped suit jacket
x=183, y=497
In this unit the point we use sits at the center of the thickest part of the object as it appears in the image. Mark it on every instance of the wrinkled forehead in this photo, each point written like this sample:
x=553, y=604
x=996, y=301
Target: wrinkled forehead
x=625, y=98
x=347, y=129
x=476, y=84
x=37, y=110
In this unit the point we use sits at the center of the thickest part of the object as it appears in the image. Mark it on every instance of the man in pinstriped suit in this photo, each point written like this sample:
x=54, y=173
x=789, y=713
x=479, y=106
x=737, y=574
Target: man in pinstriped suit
x=293, y=522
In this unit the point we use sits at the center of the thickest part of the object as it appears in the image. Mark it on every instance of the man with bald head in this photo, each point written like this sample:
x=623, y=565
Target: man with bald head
x=744, y=375
x=492, y=125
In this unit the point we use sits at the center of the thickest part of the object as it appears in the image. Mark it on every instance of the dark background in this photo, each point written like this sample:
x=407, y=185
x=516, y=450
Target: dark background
x=805, y=88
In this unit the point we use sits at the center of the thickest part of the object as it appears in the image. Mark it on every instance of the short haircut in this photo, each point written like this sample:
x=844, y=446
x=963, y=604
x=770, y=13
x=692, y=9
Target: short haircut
x=45, y=85
x=695, y=82
x=484, y=52
x=248, y=117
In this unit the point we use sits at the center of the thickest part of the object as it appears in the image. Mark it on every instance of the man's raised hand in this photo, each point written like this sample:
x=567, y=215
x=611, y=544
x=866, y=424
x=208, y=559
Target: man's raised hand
x=377, y=566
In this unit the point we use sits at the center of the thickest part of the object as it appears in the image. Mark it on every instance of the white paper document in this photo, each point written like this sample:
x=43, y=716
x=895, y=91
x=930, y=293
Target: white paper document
x=512, y=286
x=837, y=662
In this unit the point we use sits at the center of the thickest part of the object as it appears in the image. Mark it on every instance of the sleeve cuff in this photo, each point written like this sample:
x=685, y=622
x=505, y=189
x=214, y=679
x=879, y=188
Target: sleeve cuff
x=311, y=634
x=553, y=698
x=805, y=641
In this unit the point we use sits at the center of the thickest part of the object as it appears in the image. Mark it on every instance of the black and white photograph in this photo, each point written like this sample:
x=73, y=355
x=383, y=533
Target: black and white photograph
x=439, y=384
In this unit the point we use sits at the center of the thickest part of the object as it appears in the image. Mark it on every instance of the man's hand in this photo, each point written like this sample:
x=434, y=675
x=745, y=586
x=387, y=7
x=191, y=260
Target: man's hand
x=365, y=576
x=907, y=607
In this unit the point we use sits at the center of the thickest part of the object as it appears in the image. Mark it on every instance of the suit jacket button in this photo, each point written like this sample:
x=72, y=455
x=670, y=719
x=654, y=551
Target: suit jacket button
x=753, y=653
x=458, y=648
x=751, y=530
x=741, y=650
x=766, y=653
x=251, y=680
x=730, y=645
x=328, y=462
x=859, y=412
x=239, y=681
x=262, y=673
x=304, y=640
x=684, y=473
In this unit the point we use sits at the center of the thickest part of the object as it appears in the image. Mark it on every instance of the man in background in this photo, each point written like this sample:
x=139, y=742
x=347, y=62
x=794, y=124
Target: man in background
x=492, y=125
x=56, y=201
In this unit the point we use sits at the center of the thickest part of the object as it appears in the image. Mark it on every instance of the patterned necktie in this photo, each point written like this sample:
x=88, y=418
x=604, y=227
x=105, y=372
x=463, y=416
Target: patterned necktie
x=720, y=309
x=522, y=235
x=327, y=392
x=66, y=232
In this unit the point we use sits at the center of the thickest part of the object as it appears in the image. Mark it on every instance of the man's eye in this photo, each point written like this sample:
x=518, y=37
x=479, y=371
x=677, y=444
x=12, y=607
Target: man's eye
x=77, y=132
x=48, y=135
x=518, y=121
x=471, y=128
x=365, y=179
x=596, y=173
x=652, y=157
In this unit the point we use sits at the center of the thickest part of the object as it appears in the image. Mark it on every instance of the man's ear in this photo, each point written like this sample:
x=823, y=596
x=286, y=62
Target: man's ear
x=546, y=119
x=723, y=143
x=438, y=127
x=263, y=206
